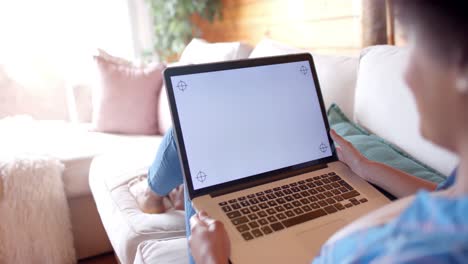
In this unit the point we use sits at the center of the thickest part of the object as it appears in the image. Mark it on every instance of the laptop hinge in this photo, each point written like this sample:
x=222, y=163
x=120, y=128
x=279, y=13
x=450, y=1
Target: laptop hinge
x=254, y=183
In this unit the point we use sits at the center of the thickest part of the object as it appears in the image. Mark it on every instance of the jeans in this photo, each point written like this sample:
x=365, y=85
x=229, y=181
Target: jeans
x=165, y=174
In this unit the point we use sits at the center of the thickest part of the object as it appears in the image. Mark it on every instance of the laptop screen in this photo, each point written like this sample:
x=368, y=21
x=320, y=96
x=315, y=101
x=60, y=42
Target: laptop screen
x=242, y=122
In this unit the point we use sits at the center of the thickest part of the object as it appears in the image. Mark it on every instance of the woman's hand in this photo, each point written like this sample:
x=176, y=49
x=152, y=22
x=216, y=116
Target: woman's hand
x=348, y=154
x=209, y=241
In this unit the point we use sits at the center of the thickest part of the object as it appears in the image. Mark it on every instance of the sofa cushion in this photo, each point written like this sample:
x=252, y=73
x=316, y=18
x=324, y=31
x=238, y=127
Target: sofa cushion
x=339, y=90
x=201, y=51
x=377, y=149
x=126, y=225
x=126, y=101
x=162, y=251
x=385, y=106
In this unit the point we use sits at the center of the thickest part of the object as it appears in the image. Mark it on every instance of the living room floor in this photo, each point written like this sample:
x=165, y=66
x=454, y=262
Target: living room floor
x=102, y=259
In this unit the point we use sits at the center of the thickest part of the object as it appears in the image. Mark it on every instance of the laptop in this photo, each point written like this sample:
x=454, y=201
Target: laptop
x=256, y=153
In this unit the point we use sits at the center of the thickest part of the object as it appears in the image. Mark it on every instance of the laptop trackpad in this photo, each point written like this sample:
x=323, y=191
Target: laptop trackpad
x=313, y=239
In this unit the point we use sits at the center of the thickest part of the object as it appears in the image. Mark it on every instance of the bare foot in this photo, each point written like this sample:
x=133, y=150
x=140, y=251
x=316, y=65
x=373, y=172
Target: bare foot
x=148, y=201
x=176, y=197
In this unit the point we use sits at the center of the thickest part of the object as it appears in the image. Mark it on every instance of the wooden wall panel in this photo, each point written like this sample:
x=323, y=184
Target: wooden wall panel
x=328, y=26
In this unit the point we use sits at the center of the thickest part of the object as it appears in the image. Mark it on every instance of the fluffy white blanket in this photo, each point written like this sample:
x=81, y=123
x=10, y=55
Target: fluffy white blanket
x=35, y=225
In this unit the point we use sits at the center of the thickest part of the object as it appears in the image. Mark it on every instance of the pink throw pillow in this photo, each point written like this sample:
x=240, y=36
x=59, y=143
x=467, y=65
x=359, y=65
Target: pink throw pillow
x=127, y=99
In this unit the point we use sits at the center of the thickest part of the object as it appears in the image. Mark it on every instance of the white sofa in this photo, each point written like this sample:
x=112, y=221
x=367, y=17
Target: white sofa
x=369, y=89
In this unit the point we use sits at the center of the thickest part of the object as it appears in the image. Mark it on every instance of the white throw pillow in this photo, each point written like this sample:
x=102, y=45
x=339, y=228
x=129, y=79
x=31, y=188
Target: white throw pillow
x=336, y=74
x=385, y=106
x=201, y=51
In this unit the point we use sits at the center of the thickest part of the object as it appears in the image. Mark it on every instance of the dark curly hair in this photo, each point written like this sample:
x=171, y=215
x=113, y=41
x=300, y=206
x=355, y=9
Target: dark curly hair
x=442, y=24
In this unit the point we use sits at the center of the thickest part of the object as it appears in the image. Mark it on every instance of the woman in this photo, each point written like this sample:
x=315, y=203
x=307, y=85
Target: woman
x=427, y=227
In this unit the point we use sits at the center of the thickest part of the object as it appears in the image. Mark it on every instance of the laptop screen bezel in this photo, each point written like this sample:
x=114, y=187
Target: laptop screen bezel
x=229, y=65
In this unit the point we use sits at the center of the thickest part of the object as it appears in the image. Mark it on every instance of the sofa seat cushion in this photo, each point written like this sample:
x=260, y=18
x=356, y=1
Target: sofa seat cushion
x=162, y=251
x=385, y=106
x=125, y=224
x=72, y=143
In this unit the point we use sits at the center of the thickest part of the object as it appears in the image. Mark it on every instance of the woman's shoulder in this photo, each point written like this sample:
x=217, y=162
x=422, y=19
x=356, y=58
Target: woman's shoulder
x=429, y=226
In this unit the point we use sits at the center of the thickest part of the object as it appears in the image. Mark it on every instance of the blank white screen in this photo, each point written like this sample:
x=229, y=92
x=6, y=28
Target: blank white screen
x=242, y=122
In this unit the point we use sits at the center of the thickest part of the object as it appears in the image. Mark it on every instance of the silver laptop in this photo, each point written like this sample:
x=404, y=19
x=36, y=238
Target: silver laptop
x=256, y=152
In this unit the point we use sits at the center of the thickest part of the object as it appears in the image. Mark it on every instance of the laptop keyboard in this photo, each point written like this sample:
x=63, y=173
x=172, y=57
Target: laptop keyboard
x=263, y=213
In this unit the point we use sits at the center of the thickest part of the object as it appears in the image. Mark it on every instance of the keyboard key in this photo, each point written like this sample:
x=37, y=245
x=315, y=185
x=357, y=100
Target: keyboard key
x=222, y=203
x=280, y=200
x=267, y=230
x=332, y=173
x=271, y=211
x=253, y=201
x=288, y=206
x=317, y=178
x=338, y=198
x=320, y=189
x=279, y=194
x=254, y=208
x=233, y=214
x=277, y=226
x=328, y=194
x=247, y=236
x=242, y=198
x=354, y=201
x=313, y=198
x=330, y=209
x=318, y=183
x=306, y=208
x=257, y=233
x=350, y=194
x=311, y=185
x=296, y=204
x=314, y=205
x=243, y=228
x=309, y=180
x=335, y=185
x=263, y=222
x=323, y=176
x=245, y=210
x=287, y=191
x=301, y=182
x=289, y=213
x=253, y=217
x=303, y=218
x=262, y=198
x=305, y=201
x=343, y=189
x=272, y=203
x=297, y=196
x=240, y=220
x=235, y=206
x=322, y=203
x=253, y=224
x=279, y=208
x=295, y=189
x=263, y=205
x=271, y=196
x=348, y=205
x=298, y=211
x=268, y=191
x=305, y=193
x=293, y=184
x=272, y=219
x=336, y=191
x=339, y=206
x=320, y=196
x=303, y=187
x=251, y=196
x=226, y=208
x=327, y=187
x=232, y=201
x=244, y=203
x=259, y=193
x=262, y=214
x=334, y=178
x=330, y=201
x=363, y=200
x=277, y=189
x=312, y=191
x=281, y=216
x=285, y=187
x=326, y=181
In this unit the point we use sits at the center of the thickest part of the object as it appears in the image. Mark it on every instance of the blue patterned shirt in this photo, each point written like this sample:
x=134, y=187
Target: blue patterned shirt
x=431, y=230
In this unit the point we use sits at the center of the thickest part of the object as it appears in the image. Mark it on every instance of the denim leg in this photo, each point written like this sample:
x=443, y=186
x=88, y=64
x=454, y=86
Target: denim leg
x=165, y=173
x=189, y=212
